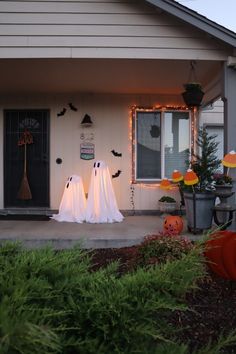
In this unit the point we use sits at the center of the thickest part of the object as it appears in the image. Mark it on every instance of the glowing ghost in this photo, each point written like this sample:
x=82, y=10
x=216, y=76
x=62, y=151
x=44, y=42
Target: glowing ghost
x=73, y=202
x=101, y=205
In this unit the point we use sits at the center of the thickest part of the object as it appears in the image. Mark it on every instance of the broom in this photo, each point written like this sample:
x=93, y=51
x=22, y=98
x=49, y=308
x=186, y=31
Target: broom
x=24, y=192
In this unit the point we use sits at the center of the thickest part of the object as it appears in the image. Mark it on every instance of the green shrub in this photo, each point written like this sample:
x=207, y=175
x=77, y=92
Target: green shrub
x=51, y=302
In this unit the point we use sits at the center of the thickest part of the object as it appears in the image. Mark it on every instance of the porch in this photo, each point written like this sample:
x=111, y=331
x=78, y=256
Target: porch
x=62, y=235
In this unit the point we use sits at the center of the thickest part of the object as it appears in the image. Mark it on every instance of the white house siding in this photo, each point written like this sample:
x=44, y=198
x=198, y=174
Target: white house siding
x=99, y=29
x=111, y=129
x=95, y=29
x=213, y=114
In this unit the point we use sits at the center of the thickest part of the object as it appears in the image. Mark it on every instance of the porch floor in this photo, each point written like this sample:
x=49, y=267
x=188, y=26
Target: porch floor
x=62, y=235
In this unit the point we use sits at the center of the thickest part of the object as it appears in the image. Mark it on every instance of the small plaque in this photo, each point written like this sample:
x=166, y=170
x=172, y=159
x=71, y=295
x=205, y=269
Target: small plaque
x=87, y=151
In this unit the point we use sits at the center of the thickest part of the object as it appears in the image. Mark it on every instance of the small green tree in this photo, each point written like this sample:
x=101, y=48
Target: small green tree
x=206, y=162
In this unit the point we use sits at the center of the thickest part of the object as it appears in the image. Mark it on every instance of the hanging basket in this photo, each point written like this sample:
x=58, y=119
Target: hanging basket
x=193, y=95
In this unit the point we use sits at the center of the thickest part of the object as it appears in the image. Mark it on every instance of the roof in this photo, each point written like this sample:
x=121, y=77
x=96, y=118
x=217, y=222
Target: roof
x=195, y=19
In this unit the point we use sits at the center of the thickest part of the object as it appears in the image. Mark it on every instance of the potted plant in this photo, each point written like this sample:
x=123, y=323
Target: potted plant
x=199, y=194
x=193, y=94
x=167, y=204
x=222, y=183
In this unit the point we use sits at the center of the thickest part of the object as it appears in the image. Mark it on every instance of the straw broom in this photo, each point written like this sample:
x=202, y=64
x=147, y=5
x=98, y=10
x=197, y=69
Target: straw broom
x=24, y=192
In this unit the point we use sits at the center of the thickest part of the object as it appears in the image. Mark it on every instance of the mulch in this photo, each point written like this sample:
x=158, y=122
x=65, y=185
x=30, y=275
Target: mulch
x=212, y=307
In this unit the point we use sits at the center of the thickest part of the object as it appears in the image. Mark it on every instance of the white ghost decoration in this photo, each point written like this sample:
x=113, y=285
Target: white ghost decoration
x=73, y=203
x=101, y=205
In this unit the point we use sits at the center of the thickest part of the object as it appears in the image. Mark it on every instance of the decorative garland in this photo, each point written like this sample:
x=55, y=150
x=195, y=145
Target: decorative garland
x=132, y=189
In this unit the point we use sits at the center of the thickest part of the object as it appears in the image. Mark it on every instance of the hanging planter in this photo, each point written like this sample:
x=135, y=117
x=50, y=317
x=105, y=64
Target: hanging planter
x=193, y=94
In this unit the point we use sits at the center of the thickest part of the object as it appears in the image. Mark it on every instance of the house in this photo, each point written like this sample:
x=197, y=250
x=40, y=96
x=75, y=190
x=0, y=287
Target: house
x=122, y=65
x=212, y=118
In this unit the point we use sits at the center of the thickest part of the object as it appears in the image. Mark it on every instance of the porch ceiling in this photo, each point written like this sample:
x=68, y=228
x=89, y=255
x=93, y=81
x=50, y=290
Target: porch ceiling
x=24, y=76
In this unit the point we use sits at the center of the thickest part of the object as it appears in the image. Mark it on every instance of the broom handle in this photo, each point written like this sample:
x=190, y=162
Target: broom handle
x=25, y=161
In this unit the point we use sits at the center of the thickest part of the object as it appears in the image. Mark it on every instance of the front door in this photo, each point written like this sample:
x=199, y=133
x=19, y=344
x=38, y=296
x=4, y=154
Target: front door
x=26, y=158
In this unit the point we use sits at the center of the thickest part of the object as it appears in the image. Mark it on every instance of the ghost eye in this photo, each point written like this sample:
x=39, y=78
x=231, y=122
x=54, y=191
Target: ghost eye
x=99, y=164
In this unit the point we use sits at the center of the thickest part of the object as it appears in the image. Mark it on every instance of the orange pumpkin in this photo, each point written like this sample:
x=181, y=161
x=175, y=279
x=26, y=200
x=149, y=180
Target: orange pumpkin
x=221, y=254
x=173, y=224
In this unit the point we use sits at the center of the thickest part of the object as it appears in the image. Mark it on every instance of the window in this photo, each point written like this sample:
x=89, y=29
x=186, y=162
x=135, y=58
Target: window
x=162, y=140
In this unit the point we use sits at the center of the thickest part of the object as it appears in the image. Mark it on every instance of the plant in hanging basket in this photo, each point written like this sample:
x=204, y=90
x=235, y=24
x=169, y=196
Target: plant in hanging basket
x=193, y=94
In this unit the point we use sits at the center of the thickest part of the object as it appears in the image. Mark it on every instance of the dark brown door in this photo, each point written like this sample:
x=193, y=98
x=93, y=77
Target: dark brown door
x=26, y=158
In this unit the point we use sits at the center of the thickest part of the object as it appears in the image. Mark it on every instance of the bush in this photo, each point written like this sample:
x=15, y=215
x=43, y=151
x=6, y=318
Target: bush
x=162, y=248
x=51, y=302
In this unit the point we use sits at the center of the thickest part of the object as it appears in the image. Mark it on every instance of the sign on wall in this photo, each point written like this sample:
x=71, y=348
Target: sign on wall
x=87, y=151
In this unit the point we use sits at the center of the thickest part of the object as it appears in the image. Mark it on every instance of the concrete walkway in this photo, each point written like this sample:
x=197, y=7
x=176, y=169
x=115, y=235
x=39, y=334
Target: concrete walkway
x=65, y=235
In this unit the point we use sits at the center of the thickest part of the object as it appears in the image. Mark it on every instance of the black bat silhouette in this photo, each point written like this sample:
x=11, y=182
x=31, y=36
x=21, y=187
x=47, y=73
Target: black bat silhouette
x=61, y=113
x=116, y=174
x=115, y=153
x=73, y=108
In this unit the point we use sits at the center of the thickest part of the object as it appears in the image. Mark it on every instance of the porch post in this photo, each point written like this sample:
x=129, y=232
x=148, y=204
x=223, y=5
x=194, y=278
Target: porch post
x=229, y=99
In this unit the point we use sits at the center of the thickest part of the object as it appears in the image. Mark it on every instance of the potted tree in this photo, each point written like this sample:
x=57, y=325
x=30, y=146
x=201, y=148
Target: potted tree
x=199, y=196
x=193, y=94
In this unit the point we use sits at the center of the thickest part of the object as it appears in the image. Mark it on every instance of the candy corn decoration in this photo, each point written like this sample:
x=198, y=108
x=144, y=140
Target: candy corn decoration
x=165, y=184
x=177, y=176
x=190, y=178
x=229, y=159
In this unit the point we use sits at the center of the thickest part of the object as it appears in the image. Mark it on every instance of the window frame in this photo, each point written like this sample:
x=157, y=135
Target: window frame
x=162, y=112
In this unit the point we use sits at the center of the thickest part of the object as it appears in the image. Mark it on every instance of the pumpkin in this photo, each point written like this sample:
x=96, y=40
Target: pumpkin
x=221, y=254
x=173, y=224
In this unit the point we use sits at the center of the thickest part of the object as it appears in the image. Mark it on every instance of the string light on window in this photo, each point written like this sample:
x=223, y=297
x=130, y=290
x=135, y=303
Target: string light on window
x=133, y=111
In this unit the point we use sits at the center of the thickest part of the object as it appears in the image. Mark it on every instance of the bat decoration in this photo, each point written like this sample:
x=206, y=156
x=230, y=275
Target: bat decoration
x=58, y=160
x=68, y=183
x=62, y=112
x=115, y=153
x=72, y=107
x=116, y=174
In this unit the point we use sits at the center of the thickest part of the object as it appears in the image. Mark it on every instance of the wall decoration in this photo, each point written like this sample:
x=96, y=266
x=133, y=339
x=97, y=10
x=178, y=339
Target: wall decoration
x=87, y=151
x=24, y=192
x=62, y=112
x=72, y=107
x=86, y=121
x=58, y=160
x=115, y=153
x=87, y=136
x=116, y=174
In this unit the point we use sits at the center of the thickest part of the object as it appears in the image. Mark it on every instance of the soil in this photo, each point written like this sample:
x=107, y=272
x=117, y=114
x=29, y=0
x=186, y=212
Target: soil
x=212, y=307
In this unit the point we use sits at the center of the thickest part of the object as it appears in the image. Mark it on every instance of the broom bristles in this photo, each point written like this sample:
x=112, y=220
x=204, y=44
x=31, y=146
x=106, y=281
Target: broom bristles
x=24, y=191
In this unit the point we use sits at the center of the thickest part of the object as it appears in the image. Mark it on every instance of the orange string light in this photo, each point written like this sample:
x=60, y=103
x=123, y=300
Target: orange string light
x=132, y=137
